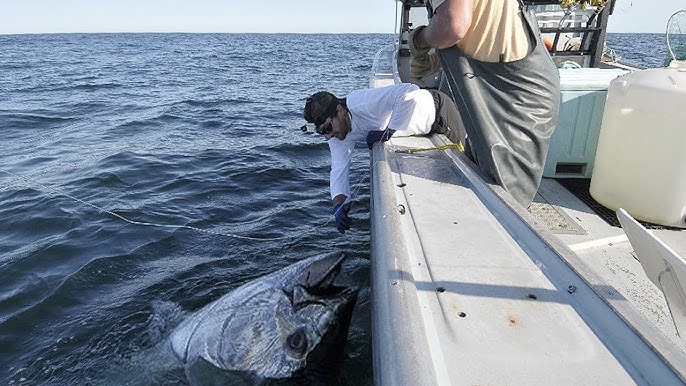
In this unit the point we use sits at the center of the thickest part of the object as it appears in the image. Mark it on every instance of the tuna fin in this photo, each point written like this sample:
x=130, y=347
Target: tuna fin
x=322, y=272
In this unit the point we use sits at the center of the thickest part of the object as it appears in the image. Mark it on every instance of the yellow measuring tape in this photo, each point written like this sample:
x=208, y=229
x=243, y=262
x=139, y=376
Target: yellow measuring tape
x=457, y=146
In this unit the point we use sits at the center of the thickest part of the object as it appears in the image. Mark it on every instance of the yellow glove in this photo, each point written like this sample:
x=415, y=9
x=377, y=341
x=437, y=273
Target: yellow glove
x=422, y=63
x=414, y=50
x=423, y=66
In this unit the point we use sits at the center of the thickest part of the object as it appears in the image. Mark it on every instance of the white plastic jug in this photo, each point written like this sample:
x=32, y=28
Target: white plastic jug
x=640, y=162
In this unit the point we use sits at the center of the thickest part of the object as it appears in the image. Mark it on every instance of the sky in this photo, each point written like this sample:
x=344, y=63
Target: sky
x=301, y=16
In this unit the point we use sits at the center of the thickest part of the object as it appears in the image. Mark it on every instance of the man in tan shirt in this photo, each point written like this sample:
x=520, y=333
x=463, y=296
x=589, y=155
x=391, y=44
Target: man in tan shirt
x=503, y=81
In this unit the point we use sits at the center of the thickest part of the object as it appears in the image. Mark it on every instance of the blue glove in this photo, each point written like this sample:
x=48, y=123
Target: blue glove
x=378, y=135
x=340, y=212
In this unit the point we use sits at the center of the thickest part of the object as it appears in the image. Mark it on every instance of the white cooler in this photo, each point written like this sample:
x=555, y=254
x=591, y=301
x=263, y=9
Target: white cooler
x=573, y=144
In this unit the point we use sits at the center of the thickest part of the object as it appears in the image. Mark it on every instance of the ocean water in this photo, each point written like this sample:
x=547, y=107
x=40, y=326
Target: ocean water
x=140, y=170
x=646, y=50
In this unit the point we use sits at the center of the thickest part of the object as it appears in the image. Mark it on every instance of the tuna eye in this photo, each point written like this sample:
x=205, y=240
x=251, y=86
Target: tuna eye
x=297, y=341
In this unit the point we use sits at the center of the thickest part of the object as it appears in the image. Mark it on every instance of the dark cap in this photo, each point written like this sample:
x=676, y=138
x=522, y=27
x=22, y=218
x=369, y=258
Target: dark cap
x=319, y=107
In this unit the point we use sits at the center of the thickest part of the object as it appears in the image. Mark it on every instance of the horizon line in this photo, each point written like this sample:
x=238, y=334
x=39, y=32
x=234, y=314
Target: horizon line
x=233, y=32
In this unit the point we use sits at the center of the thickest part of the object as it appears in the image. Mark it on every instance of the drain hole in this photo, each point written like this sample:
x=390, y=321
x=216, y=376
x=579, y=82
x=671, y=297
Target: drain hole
x=564, y=168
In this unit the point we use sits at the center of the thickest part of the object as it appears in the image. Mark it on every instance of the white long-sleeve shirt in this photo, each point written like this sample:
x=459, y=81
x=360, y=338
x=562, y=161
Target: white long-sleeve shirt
x=402, y=107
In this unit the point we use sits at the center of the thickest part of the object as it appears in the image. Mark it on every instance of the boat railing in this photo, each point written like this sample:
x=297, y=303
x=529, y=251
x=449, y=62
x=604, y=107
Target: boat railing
x=573, y=33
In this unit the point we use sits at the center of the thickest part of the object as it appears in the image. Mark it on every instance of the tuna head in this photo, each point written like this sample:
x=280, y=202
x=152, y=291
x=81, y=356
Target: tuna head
x=277, y=326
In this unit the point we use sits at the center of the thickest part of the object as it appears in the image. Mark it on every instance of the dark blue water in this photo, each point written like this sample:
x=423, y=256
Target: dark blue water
x=646, y=50
x=194, y=130
x=176, y=130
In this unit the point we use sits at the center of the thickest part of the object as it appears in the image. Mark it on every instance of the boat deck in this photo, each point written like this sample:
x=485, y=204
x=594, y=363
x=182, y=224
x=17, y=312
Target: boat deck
x=605, y=249
x=471, y=288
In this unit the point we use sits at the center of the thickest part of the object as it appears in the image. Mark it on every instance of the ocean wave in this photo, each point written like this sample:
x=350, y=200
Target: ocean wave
x=93, y=86
x=32, y=119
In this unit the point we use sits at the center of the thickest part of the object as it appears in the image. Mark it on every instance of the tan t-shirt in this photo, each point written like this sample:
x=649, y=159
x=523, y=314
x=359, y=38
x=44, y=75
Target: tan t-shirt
x=498, y=28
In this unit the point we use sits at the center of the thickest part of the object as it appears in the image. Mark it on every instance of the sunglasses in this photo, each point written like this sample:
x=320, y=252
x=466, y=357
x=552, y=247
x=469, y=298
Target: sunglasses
x=320, y=126
x=324, y=129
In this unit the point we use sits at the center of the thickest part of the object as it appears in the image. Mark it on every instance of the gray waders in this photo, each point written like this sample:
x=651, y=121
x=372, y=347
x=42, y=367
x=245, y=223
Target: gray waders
x=509, y=111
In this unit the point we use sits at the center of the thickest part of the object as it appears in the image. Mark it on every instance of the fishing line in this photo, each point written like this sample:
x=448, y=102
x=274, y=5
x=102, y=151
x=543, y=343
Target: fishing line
x=353, y=194
x=168, y=226
x=134, y=222
x=59, y=192
x=63, y=163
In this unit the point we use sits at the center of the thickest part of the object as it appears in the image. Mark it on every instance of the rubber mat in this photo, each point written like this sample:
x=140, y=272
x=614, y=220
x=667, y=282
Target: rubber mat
x=579, y=187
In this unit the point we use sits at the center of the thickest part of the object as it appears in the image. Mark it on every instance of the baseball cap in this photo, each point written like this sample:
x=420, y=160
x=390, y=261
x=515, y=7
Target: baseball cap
x=319, y=107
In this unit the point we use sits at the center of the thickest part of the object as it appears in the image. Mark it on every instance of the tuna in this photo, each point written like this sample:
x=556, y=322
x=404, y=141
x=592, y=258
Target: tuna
x=282, y=325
